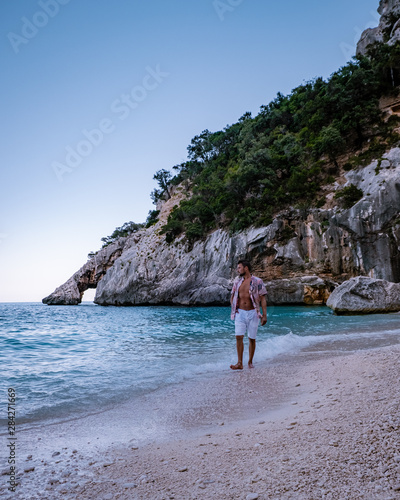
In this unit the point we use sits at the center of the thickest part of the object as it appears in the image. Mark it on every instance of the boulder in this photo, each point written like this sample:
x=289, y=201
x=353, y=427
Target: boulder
x=309, y=290
x=363, y=295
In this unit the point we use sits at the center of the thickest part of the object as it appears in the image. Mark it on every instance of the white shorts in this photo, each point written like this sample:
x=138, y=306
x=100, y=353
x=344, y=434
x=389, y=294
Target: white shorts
x=246, y=321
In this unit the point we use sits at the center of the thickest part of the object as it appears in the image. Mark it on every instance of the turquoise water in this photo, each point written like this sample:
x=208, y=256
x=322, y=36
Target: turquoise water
x=66, y=360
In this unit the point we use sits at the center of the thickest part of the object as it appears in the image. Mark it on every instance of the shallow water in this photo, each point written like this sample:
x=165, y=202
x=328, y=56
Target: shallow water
x=66, y=360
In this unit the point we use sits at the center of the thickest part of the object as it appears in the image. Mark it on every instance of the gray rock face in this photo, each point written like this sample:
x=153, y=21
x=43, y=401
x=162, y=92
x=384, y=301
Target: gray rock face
x=364, y=295
x=301, y=256
x=152, y=272
x=310, y=290
x=88, y=276
x=388, y=30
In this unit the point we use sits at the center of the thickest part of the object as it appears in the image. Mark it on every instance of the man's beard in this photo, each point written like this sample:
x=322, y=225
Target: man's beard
x=242, y=274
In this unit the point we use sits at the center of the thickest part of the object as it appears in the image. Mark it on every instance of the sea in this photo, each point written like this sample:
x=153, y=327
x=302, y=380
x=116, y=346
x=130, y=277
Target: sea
x=63, y=360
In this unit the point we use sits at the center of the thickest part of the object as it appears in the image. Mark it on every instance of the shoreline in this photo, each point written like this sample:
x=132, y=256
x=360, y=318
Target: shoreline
x=324, y=434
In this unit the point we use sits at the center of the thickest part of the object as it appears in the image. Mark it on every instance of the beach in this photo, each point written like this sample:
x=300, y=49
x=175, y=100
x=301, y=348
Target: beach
x=312, y=425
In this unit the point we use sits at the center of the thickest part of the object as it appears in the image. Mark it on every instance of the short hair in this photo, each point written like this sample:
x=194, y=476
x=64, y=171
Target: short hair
x=245, y=263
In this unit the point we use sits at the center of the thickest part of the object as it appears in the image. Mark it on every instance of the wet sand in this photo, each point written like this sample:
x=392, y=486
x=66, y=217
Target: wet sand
x=319, y=424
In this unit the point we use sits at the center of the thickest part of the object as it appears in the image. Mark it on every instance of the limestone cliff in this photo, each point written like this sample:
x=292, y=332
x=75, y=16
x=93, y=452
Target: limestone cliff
x=88, y=276
x=301, y=256
x=388, y=30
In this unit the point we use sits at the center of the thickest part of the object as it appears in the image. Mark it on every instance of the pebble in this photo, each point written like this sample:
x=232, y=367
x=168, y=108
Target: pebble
x=366, y=464
x=29, y=469
x=261, y=422
x=55, y=454
x=107, y=464
x=129, y=485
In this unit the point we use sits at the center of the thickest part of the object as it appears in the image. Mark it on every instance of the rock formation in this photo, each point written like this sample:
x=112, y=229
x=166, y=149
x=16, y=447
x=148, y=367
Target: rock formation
x=301, y=256
x=88, y=276
x=364, y=295
x=388, y=30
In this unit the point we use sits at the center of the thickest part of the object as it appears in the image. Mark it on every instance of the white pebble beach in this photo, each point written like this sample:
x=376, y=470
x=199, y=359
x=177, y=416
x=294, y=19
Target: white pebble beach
x=317, y=425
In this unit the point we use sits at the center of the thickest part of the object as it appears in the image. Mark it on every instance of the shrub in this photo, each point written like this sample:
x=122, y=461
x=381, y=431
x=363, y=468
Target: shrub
x=122, y=231
x=349, y=195
x=152, y=218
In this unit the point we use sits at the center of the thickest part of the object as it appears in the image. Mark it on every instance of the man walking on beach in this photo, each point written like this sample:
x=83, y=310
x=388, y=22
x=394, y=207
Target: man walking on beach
x=248, y=293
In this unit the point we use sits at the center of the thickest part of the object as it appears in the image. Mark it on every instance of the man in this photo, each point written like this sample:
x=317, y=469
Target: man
x=248, y=293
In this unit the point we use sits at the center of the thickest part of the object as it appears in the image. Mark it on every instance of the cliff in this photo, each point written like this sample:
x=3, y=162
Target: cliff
x=301, y=256
x=388, y=30
x=88, y=276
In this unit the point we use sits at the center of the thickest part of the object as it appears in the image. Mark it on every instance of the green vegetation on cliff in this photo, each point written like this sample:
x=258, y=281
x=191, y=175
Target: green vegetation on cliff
x=125, y=230
x=242, y=175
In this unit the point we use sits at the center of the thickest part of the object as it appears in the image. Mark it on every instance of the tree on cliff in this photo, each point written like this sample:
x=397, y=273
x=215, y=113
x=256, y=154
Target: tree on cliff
x=163, y=178
x=250, y=170
x=120, y=232
x=331, y=142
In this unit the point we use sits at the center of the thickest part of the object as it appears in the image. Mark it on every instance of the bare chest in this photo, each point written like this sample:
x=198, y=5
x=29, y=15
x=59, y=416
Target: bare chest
x=244, y=290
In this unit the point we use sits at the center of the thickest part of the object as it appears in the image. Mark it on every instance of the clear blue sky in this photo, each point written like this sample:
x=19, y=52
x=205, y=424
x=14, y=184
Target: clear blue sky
x=138, y=80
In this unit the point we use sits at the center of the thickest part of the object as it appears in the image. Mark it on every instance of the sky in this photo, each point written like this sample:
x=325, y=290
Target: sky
x=98, y=95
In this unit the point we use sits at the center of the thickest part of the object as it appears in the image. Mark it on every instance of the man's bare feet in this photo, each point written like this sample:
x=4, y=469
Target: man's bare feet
x=238, y=366
x=251, y=364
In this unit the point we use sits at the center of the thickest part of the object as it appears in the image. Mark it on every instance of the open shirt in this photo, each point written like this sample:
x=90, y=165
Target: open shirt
x=257, y=290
